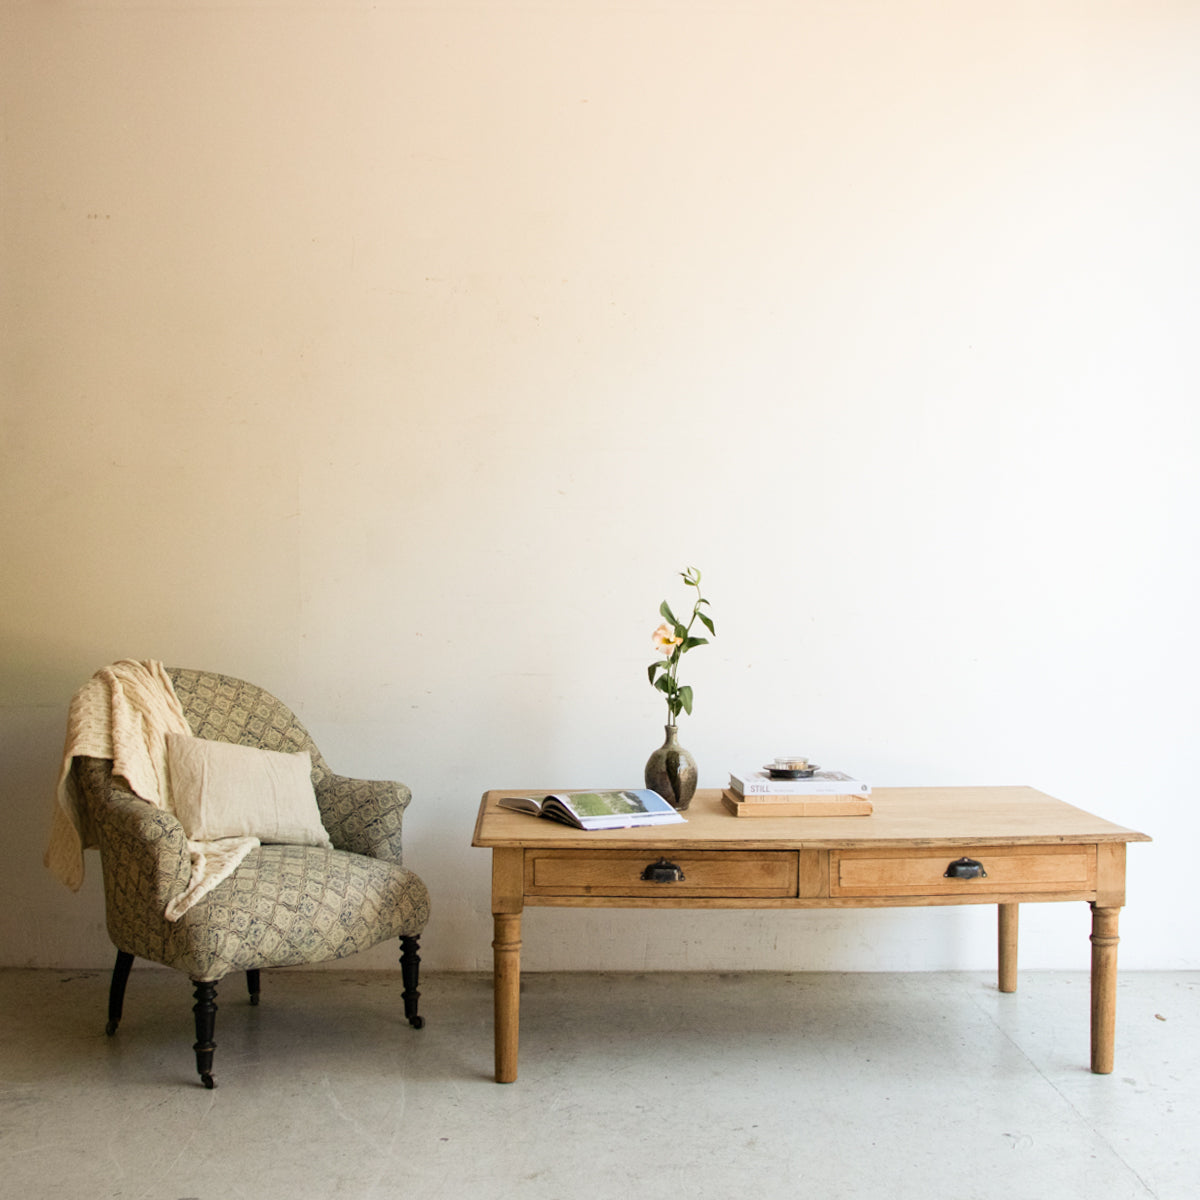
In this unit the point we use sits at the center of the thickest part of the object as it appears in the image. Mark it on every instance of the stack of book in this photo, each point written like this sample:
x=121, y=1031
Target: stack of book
x=822, y=794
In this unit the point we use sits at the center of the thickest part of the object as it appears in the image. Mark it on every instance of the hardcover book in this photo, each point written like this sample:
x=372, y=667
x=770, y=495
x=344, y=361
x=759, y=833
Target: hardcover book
x=796, y=806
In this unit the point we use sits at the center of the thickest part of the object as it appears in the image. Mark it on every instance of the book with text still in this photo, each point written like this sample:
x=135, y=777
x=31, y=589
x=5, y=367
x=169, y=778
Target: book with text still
x=597, y=810
x=820, y=783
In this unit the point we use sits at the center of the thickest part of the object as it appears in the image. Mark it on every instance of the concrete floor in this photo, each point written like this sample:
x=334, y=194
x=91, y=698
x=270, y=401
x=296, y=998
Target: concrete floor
x=902, y=1086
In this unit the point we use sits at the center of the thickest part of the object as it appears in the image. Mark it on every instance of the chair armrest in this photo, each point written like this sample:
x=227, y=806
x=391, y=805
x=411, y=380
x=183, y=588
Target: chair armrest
x=144, y=842
x=364, y=816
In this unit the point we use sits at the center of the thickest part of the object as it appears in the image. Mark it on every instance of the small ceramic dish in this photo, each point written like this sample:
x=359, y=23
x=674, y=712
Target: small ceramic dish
x=777, y=772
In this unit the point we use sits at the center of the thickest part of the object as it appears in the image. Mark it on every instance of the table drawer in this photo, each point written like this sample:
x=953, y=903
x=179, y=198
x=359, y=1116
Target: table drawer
x=746, y=873
x=923, y=872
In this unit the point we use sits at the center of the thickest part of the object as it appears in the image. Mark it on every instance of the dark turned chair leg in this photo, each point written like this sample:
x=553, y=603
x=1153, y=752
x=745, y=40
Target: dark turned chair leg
x=205, y=1009
x=116, y=991
x=252, y=985
x=410, y=966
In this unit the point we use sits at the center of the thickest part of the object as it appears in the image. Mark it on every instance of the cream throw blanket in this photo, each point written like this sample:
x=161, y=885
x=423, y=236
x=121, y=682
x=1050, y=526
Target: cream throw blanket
x=124, y=713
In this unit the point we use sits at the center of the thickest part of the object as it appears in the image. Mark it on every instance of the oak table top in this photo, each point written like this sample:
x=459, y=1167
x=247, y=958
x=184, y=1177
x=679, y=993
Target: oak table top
x=910, y=816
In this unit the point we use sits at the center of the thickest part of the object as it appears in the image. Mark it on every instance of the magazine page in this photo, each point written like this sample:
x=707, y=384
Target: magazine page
x=618, y=809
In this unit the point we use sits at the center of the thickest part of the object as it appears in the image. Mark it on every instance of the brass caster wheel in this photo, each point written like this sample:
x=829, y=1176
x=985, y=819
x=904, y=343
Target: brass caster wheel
x=208, y=1081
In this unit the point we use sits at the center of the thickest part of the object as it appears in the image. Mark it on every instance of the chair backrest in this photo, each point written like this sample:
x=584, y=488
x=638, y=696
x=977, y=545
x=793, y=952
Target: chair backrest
x=224, y=709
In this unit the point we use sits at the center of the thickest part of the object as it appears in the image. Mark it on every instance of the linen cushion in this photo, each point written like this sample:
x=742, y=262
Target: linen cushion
x=222, y=790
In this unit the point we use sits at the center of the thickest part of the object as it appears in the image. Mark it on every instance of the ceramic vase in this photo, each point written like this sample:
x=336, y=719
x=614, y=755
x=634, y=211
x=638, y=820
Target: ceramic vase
x=671, y=771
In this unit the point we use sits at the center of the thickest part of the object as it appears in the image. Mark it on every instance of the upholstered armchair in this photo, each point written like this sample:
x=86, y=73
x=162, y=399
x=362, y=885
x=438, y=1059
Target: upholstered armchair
x=283, y=905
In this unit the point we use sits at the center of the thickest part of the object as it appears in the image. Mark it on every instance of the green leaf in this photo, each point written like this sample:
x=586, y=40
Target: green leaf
x=706, y=621
x=664, y=610
x=685, y=698
x=663, y=683
x=693, y=642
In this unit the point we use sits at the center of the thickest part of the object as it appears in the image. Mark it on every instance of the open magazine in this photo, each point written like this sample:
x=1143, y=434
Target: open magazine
x=597, y=810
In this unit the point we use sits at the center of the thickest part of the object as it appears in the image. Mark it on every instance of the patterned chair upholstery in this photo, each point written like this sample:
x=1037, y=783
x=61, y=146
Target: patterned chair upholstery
x=283, y=905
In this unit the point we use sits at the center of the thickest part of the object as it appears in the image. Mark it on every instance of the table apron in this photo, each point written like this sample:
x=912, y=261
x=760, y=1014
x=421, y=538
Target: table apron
x=859, y=878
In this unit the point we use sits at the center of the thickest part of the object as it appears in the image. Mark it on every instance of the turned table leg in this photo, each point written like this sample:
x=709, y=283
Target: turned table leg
x=1104, y=987
x=1009, y=915
x=507, y=979
x=508, y=900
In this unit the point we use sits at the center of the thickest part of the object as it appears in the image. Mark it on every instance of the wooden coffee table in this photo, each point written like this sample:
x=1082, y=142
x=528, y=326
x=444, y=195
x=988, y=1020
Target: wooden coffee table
x=971, y=845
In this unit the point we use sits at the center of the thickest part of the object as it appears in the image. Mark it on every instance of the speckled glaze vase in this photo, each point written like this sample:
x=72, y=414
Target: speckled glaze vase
x=671, y=771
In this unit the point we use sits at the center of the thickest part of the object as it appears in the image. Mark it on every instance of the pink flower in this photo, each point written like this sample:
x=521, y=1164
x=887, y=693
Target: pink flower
x=665, y=640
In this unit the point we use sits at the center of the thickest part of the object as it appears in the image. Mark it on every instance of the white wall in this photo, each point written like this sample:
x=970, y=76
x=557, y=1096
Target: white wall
x=397, y=357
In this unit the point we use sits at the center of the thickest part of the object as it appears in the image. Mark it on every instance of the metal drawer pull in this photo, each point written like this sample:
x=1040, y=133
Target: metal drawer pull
x=663, y=872
x=965, y=868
